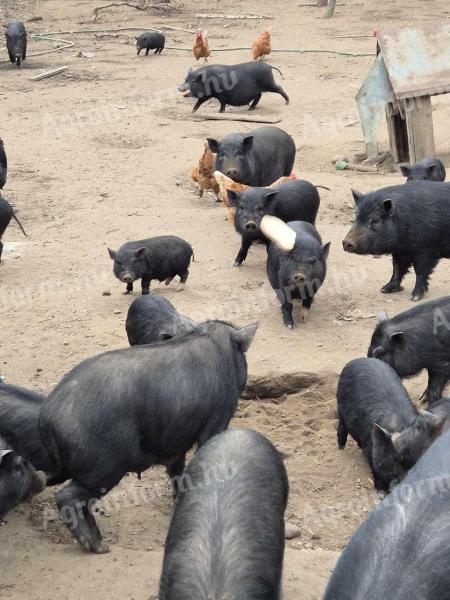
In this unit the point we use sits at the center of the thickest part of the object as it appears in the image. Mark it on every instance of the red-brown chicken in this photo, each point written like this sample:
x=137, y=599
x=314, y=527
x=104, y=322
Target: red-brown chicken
x=201, y=46
x=203, y=173
x=261, y=47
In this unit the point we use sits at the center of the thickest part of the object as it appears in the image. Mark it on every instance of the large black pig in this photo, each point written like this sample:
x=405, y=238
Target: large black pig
x=16, y=42
x=18, y=479
x=152, y=319
x=375, y=409
x=402, y=549
x=298, y=274
x=257, y=158
x=411, y=222
x=3, y=165
x=130, y=409
x=226, y=537
x=150, y=40
x=6, y=214
x=236, y=85
x=296, y=200
x=417, y=339
x=162, y=258
x=428, y=169
x=19, y=419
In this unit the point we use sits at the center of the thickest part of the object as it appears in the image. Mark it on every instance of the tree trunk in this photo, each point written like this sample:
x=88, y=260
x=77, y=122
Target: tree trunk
x=329, y=11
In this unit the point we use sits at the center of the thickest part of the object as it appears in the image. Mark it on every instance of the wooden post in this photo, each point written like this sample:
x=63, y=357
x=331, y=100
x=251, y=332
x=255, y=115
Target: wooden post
x=419, y=124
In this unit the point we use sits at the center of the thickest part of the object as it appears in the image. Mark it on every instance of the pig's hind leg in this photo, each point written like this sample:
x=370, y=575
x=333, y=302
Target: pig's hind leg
x=183, y=279
x=256, y=99
x=400, y=265
x=75, y=504
x=277, y=89
x=423, y=266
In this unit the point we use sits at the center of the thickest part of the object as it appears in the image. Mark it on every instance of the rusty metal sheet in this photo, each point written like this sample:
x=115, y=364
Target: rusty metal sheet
x=417, y=59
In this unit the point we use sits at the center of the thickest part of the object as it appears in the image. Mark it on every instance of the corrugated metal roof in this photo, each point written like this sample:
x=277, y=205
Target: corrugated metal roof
x=417, y=59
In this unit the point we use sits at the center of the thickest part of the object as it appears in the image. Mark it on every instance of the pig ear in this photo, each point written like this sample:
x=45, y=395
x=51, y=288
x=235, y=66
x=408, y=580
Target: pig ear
x=270, y=197
x=202, y=76
x=244, y=336
x=326, y=250
x=233, y=197
x=112, y=254
x=382, y=435
x=432, y=167
x=247, y=143
x=387, y=205
x=140, y=252
x=405, y=171
x=398, y=337
x=213, y=145
x=357, y=196
x=383, y=316
x=433, y=422
x=6, y=455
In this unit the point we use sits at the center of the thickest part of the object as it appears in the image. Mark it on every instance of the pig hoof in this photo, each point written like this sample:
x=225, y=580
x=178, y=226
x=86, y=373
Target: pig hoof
x=100, y=548
x=126, y=292
x=390, y=288
x=416, y=297
x=289, y=325
x=237, y=264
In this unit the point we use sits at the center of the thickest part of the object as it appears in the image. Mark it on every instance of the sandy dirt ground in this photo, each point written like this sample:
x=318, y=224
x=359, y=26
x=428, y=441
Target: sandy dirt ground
x=99, y=155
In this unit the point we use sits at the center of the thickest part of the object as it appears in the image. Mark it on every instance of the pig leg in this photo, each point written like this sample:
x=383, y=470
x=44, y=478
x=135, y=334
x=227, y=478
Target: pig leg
x=277, y=89
x=437, y=381
x=156, y=51
x=400, y=264
x=169, y=280
x=145, y=285
x=199, y=102
x=342, y=434
x=306, y=307
x=139, y=51
x=183, y=279
x=147, y=51
x=423, y=266
x=242, y=254
x=1, y=250
x=256, y=99
x=73, y=503
x=174, y=472
x=223, y=106
x=286, y=309
x=129, y=288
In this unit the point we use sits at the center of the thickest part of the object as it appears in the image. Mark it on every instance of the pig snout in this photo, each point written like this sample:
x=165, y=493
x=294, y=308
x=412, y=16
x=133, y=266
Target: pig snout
x=232, y=173
x=348, y=245
x=127, y=278
x=251, y=227
x=299, y=278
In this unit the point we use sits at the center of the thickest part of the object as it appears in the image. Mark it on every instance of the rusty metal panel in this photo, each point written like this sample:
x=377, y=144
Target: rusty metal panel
x=417, y=59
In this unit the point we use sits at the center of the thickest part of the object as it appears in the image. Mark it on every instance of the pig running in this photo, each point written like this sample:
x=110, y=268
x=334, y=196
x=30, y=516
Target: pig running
x=150, y=40
x=235, y=85
x=129, y=409
x=162, y=258
x=375, y=409
x=257, y=158
x=6, y=214
x=19, y=419
x=16, y=42
x=3, y=165
x=401, y=550
x=417, y=339
x=154, y=319
x=298, y=274
x=428, y=169
x=295, y=200
x=226, y=537
x=411, y=222
x=18, y=479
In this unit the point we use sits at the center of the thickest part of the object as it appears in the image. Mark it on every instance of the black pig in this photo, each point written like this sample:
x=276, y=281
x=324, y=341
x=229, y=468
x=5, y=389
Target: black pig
x=298, y=274
x=295, y=200
x=235, y=85
x=374, y=407
x=6, y=214
x=401, y=550
x=16, y=42
x=154, y=319
x=428, y=169
x=226, y=537
x=18, y=479
x=257, y=158
x=151, y=40
x=411, y=222
x=417, y=339
x=130, y=409
x=162, y=258
x=3, y=165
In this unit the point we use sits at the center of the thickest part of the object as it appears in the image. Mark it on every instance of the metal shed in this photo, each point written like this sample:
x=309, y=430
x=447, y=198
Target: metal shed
x=412, y=64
